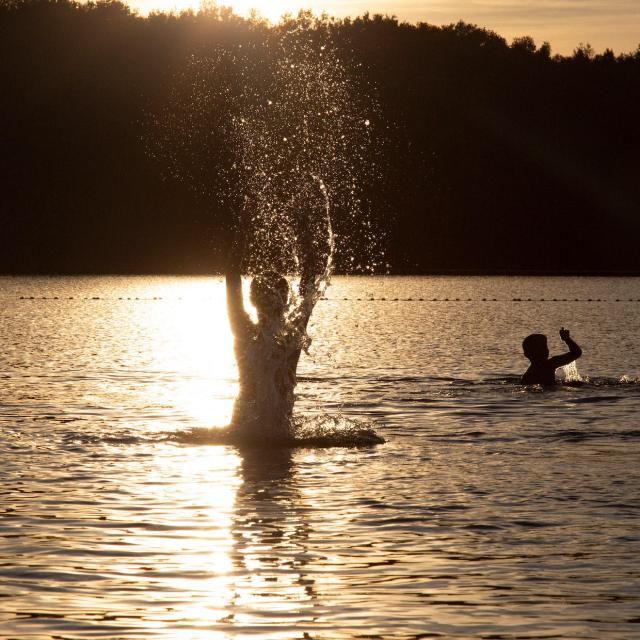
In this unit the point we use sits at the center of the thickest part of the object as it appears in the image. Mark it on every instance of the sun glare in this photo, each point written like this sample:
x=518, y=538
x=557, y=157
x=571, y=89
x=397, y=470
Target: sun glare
x=193, y=346
x=272, y=10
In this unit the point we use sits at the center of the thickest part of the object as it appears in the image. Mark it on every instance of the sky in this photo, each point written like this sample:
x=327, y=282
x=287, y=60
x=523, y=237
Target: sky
x=613, y=24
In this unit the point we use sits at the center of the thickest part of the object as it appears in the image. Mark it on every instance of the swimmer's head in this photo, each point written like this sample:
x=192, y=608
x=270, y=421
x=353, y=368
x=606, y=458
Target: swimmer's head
x=269, y=294
x=535, y=347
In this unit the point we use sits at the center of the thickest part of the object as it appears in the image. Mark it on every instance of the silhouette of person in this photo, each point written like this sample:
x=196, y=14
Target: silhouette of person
x=542, y=369
x=267, y=351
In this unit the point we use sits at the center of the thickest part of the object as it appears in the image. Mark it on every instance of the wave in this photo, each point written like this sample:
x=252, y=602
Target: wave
x=322, y=431
x=498, y=380
x=573, y=435
x=594, y=399
x=586, y=382
x=315, y=431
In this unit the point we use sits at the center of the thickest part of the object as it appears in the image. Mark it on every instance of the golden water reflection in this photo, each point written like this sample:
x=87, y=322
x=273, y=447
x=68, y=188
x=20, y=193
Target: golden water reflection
x=185, y=535
x=223, y=536
x=457, y=527
x=192, y=338
x=229, y=530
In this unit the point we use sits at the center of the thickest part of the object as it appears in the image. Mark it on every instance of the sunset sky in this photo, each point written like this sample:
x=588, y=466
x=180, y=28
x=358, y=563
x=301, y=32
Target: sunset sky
x=564, y=23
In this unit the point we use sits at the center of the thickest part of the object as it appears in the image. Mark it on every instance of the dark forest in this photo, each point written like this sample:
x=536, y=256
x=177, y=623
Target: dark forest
x=496, y=158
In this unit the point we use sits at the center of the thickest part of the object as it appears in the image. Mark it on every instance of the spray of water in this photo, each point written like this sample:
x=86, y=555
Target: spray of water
x=252, y=126
x=570, y=372
x=279, y=133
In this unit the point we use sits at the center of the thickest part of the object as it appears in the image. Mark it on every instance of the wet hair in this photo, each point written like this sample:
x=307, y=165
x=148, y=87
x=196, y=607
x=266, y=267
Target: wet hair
x=535, y=346
x=269, y=291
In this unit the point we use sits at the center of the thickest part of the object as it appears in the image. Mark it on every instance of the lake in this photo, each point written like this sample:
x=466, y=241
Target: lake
x=492, y=511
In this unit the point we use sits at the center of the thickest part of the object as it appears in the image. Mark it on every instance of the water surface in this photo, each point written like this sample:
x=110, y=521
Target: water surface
x=493, y=511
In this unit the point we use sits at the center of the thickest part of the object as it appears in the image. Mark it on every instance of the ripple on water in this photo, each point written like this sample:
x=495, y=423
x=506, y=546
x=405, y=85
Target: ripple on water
x=309, y=432
x=491, y=511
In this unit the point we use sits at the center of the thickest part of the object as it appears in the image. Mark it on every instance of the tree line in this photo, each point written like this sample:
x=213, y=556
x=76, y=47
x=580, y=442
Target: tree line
x=494, y=157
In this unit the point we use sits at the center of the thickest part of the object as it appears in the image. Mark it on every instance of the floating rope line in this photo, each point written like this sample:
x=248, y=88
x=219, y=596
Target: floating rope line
x=92, y=298
x=160, y=298
x=479, y=300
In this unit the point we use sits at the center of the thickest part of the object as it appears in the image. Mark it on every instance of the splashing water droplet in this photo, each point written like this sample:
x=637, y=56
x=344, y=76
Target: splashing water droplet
x=267, y=160
x=570, y=372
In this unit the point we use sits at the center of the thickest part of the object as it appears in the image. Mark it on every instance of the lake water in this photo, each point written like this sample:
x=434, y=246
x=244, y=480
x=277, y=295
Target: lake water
x=493, y=510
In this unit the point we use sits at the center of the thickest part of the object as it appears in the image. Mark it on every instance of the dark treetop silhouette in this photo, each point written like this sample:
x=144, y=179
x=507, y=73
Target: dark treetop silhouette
x=487, y=145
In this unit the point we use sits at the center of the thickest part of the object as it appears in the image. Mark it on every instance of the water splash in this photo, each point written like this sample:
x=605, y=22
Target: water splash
x=320, y=431
x=277, y=130
x=247, y=123
x=570, y=373
x=267, y=351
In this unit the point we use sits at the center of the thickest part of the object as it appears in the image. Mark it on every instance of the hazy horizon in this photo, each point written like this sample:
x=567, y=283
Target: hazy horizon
x=563, y=23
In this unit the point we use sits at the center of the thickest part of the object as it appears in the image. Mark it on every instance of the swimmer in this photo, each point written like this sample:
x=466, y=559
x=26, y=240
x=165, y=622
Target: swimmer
x=543, y=368
x=267, y=351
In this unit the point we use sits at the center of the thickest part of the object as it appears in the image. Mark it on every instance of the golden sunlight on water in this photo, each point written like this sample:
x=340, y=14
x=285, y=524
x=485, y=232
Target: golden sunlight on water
x=197, y=555
x=205, y=348
x=194, y=339
x=488, y=505
x=179, y=544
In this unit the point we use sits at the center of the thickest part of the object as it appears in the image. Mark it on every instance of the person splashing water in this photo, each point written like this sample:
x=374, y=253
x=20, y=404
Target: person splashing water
x=542, y=369
x=267, y=351
x=282, y=122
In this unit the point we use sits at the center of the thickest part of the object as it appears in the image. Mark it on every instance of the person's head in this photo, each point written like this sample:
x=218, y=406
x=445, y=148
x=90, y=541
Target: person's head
x=535, y=347
x=269, y=294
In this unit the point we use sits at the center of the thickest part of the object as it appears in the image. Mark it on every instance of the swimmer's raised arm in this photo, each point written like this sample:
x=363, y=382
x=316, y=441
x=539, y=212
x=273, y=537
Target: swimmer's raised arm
x=574, y=350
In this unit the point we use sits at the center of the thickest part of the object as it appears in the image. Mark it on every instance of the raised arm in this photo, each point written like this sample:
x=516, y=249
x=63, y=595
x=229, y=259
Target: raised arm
x=566, y=358
x=239, y=319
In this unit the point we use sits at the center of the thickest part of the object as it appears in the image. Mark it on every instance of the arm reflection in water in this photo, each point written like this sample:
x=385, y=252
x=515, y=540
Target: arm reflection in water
x=267, y=351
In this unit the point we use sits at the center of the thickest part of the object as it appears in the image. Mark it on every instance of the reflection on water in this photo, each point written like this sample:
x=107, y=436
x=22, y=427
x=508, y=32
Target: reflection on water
x=195, y=341
x=492, y=511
